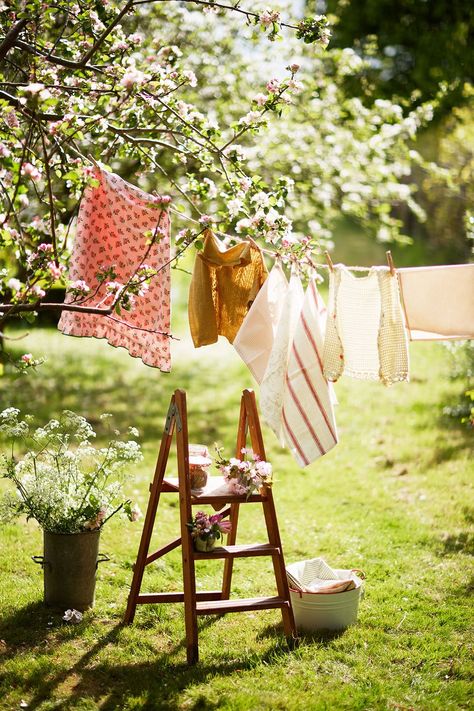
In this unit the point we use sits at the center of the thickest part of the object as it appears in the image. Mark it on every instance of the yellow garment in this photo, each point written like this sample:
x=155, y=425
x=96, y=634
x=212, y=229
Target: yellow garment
x=223, y=287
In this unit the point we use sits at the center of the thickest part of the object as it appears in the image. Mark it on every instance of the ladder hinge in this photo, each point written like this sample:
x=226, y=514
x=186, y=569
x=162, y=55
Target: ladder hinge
x=173, y=412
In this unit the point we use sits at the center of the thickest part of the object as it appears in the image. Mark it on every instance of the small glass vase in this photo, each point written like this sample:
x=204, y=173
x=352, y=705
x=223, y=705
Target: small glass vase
x=205, y=545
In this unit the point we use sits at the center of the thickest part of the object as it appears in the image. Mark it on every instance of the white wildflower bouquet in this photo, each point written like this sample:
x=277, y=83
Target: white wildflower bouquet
x=62, y=481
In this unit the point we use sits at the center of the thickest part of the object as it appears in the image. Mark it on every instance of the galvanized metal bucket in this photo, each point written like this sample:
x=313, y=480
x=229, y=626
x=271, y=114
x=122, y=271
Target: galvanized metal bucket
x=69, y=563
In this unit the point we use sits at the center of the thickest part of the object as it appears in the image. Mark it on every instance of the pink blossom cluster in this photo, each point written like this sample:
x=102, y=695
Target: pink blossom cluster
x=268, y=17
x=97, y=521
x=246, y=476
x=31, y=171
x=204, y=526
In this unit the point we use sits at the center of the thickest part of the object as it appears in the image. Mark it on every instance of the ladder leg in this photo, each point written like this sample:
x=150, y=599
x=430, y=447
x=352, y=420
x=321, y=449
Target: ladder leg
x=139, y=567
x=229, y=562
x=234, y=508
x=189, y=576
x=271, y=520
x=279, y=565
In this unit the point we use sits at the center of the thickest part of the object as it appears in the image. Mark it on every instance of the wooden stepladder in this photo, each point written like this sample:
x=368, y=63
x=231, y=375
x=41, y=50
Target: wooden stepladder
x=215, y=601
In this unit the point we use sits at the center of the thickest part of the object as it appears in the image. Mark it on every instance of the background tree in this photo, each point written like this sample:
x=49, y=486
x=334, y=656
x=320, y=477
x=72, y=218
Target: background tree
x=178, y=97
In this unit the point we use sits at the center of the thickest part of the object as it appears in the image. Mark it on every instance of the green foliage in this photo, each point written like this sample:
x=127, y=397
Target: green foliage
x=415, y=47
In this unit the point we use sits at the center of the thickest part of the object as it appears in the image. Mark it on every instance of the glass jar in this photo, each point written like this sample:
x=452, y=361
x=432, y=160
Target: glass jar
x=199, y=462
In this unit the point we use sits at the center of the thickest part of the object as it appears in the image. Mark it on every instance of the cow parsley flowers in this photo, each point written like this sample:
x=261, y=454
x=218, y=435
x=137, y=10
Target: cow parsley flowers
x=62, y=481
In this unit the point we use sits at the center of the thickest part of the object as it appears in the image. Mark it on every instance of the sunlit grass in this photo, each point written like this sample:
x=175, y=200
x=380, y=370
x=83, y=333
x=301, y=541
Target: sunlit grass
x=395, y=498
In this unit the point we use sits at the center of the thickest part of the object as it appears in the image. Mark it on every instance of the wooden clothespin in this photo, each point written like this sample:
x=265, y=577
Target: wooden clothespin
x=329, y=261
x=390, y=263
x=93, y=160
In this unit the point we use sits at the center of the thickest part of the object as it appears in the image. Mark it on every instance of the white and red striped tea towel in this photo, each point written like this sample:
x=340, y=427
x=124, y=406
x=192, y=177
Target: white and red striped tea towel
x=309, y=425
x=254, y=341
x=272, y=388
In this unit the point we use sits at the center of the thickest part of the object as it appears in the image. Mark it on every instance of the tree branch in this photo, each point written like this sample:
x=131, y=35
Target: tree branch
x=11, y=38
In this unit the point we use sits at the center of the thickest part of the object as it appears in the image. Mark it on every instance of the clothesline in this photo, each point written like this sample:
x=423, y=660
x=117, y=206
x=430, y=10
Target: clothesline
x=273, y=253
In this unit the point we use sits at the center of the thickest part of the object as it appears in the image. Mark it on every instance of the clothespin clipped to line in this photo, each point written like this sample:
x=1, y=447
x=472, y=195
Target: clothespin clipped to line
x=93, y=160
x=390, y=263
x=329, y=261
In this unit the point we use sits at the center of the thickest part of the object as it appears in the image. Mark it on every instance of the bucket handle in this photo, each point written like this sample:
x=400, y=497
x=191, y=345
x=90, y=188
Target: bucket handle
x=359, y=572
x=101, y=558
x=40, y=560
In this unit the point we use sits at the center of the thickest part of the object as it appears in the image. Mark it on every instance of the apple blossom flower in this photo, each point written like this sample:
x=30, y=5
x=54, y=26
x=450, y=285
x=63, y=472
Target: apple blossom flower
x=295, y=86
x=250, y=118
x=260, y=99
x=79, y=286
x=132, y=78
x=242, y=225
x=245, y=184
x=31, y=171
x=14, y=284
x=33, y=88
x=294, y=68
x=27, y=358
x=135, y=513
x=113, y=287
x=206, y=220
x=38, y=291
x=260, y=199
x=56, y=271
x=211, y=188
x=190, y=76
x=273, y=86
x=268, y=17
x=5, y=152
x=234, y=207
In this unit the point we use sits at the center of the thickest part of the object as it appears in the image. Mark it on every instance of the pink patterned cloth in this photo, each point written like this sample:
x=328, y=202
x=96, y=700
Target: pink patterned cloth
x=111, y=225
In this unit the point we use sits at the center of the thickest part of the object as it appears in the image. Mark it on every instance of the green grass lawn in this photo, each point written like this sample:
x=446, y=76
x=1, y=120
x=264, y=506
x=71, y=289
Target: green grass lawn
x=394, y=498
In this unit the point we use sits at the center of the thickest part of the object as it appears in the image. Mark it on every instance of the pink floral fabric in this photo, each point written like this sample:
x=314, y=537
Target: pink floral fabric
x=111, y=225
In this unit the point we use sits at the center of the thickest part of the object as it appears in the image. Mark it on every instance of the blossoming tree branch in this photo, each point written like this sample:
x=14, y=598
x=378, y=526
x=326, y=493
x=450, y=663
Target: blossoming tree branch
x=102, y=81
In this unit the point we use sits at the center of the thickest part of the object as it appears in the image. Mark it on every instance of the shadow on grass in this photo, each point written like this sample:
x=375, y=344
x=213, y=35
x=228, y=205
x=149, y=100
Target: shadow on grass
x=462, y=542
x=30, y=626
x=155, y=684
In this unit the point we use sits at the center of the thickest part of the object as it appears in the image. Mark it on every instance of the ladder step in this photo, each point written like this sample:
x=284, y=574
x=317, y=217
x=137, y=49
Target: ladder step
x=244, y=604
x=149, y=598
x=244, y=551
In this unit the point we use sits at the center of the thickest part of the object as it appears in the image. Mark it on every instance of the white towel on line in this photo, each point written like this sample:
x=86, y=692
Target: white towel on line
x=309, y=424
x=438, y=301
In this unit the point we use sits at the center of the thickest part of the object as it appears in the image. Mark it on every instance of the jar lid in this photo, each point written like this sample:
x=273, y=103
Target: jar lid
x=200, y=461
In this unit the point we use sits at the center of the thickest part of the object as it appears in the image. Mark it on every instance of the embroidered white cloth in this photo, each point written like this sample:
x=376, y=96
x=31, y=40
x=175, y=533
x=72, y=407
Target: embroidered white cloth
x=365, y=334
x=254, y=340
x=309, y=424
x=273, y=384
x=438, y=301
x=112, y=225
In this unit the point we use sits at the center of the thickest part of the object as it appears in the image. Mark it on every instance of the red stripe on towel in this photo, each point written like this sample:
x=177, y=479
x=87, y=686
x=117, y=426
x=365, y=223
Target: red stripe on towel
x=313, y=392
x=305, y=417
x=293, y=438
